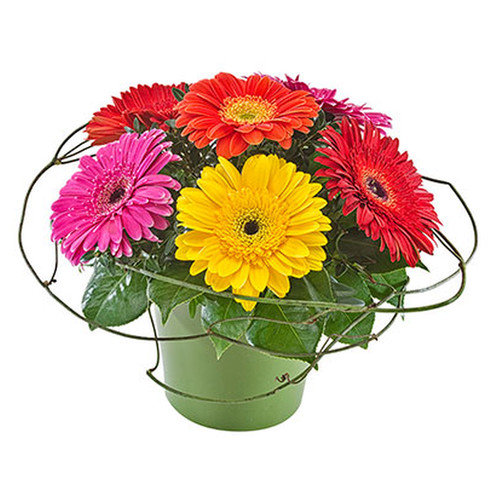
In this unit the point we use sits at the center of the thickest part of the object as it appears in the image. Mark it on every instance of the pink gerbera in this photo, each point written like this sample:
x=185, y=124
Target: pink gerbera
x=327, y=100
x=117, y=195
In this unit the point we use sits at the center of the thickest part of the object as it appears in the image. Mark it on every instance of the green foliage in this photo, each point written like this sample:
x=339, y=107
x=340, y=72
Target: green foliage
x=287, y=331
x=178, y=94
x=167, y=295
x=113, y=296
x=298, y=329
x=381, y=285
x=338, y=321
x=358, y=248
x=323, y=286
x=220, y=315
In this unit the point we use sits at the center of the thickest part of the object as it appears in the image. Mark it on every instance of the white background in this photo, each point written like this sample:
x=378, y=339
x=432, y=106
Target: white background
x=416, y=416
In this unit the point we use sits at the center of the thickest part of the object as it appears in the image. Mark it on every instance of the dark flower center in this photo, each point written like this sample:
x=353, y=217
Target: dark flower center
x=376, y=189
x=116, y=195
x=251, y=227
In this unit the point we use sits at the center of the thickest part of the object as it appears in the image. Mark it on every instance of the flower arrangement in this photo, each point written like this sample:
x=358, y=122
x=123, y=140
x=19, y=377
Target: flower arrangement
x=283, y=216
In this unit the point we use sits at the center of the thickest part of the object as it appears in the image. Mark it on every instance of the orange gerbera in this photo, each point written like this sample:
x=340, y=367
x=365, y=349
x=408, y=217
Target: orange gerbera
x=238, y=113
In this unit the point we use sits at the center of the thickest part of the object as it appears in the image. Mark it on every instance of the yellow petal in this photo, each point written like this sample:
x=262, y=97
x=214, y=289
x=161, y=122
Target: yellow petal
x=315, y=265
x=300, y=265
x=214, y=186
x=181, y=254
x=296, y=180
x=280, y=178
x=274, y=263
x=314, y=188
x=230, y=173
x=228, y=265
x=314, y=239
x=278, y=283
x=293, y=247
x=298, y=196
x=213, y=263
x=299, y=273
x=255, y=174
x=301, y=229
x=325, y=226
x=197, y=267
x=308, y=215
x=202, y=213
x=284, y=258
x=239, y=278
x=249, y=291
x=317, y=253
x=191, y=222
x=319, y=203
x=209, y=251
x=259, y=276
x=193, y=238
x=220, y=283
x=196, y=196
x=186, y=253
x=252, y=161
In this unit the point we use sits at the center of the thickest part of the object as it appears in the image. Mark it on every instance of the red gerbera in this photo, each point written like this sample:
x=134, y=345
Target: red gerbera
x=382, y=185
x=149, y=104
x=240, y=112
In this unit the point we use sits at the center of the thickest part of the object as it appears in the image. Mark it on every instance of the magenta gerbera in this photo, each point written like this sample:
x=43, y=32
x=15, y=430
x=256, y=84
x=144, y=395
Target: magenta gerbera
x=117, y=195
x=328, y=101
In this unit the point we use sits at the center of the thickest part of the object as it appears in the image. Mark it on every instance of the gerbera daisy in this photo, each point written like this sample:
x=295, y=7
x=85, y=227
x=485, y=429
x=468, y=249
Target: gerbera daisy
x=117, y=195
x=149, y=104
x=327, y=100
x=252, y=230
x=238, y=112
x=382, y=185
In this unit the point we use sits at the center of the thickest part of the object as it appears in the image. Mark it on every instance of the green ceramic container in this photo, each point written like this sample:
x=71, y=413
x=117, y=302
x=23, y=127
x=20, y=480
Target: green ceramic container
x=192, y=367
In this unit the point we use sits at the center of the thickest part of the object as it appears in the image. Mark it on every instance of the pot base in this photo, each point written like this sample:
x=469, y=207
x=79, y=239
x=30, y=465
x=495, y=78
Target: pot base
x=249, y=416
x=191, y=366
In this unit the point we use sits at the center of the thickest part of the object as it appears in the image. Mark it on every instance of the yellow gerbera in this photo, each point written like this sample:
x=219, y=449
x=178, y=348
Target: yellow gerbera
x=252, y=230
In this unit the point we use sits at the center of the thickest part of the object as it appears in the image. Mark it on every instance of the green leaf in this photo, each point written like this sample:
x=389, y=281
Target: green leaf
x=322, y=286
x=114, y=296
x=320, y=122
x=313, y=286
x=286, y=335
x=299, y=338
x=386, y=282
x=193, y=306
x=338, y=321
x=167, y=295
x=178, y=94
x=215, y=310
x=360, y=249
x=421, y=265
x=138, y=126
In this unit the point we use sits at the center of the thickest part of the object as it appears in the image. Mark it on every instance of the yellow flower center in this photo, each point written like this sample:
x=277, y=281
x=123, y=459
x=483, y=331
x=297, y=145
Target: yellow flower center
x=252, y=224
x=248, y=109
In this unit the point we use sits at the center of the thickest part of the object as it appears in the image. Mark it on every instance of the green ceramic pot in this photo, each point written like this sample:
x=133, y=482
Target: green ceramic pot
x=191, y=366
